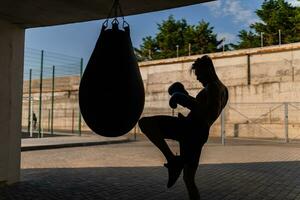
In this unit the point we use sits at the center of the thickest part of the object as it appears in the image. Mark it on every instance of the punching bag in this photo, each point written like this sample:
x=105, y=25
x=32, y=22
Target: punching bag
x=111, y=92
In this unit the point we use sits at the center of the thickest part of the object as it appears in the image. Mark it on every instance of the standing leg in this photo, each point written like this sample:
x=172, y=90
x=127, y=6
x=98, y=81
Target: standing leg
x=189, y=173
x=191, y=151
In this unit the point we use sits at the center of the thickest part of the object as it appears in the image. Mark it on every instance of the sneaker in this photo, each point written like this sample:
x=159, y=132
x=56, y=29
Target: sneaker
x=174, y=168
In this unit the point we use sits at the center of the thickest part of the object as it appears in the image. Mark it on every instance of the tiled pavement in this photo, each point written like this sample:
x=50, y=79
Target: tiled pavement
x=134, y=171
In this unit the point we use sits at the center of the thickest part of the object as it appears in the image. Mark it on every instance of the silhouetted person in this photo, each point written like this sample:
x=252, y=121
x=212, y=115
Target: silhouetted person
x=191, y=131
x=34, y=120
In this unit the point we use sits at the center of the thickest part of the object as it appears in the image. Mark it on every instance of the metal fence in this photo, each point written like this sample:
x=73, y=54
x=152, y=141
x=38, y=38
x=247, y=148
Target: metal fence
x=50, y=93
x=50, y=106
x=248, y=123
x=256, y=122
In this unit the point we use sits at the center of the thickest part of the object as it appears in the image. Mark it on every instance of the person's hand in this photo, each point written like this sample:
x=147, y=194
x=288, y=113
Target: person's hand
x=175, y=98
x=177, y=87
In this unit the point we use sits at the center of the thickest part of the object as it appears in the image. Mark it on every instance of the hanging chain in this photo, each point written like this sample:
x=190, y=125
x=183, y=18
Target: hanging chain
x=116, y=7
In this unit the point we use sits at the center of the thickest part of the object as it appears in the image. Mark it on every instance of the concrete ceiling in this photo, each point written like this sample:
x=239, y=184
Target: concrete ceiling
x=36, y=13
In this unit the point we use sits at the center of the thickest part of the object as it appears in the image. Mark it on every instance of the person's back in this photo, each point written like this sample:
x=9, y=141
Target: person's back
x=221, y=98
x=211, y=100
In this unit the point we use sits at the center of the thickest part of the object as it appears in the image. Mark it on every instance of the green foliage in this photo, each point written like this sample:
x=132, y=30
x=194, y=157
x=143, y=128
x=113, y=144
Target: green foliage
x=204, y=39
x=177, y=33
x=274, y=15
x=297, y=21
x=247, y=40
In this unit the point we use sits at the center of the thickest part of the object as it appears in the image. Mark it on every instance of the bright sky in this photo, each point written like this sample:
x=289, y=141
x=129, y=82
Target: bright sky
x=227, y=17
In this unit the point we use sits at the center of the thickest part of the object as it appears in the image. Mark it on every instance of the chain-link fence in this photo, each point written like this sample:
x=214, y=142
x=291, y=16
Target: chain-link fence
x=50, y=93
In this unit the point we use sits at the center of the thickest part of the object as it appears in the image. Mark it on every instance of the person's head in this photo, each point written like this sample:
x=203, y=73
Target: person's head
x=204, y=70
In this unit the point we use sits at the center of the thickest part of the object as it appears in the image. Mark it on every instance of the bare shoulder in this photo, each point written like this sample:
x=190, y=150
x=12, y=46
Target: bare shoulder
x=215, y=87
x=217, y=90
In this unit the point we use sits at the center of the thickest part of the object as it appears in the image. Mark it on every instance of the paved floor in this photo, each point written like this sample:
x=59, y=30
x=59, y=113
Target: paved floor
x=134, y=171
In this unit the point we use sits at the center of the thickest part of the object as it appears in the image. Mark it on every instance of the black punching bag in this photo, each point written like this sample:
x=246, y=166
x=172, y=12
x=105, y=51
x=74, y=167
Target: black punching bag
x=111, y=92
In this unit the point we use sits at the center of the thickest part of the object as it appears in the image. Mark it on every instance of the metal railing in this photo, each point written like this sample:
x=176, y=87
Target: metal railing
x=251, y=122
x=261, y=121
x=50, y=89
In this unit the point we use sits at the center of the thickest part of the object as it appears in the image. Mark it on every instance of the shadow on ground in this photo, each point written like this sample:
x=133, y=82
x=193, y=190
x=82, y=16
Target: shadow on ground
x=274, y=180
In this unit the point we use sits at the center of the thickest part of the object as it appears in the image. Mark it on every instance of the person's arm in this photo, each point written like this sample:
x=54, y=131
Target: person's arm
x=186, y=101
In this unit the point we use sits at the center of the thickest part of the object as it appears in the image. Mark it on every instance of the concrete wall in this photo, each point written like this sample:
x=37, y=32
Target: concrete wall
x=66, y=107
x=254, y=78
x=11, y=80
x=271, y=68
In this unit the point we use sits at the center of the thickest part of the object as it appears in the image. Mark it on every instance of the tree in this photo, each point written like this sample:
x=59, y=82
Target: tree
x=176, y=35
x=170, y=34
x=274, y=15
x=248, y=39
x=148, y=47
x=204, y=39
x=297, y=20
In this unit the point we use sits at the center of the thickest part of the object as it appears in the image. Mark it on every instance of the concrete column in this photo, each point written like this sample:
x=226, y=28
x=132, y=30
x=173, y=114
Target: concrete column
x=11, y=82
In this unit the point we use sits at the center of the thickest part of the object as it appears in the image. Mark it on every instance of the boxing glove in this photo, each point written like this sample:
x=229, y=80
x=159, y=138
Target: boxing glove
x=178, y=98
x=177, y=87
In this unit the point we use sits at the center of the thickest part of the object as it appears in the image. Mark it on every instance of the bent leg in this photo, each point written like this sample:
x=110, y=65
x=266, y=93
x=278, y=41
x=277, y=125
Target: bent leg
x=150, y=126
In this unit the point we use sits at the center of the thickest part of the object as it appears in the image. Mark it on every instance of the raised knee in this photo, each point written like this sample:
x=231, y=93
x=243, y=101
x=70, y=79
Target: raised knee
x=144, y=124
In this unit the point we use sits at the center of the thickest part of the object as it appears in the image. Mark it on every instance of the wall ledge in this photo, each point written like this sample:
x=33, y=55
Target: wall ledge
x=226, y=54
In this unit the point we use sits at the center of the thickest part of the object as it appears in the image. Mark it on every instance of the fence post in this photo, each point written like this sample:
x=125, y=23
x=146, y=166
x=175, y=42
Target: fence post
x=52, y=99
x=29, y=98
x=41, y=90
x=73, y=120
x=31, y=117
x=223, y=126
x=279, y=37
x=49, y=119
x=79, y=120
x=286, y=121
x=262, y=39
x=135, y=128
x=248, y=69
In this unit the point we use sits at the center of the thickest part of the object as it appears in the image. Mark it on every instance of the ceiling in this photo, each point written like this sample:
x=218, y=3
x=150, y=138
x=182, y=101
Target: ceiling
x=36, y=13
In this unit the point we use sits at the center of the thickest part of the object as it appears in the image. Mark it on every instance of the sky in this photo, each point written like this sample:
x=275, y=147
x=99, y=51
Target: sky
x=227, y=17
